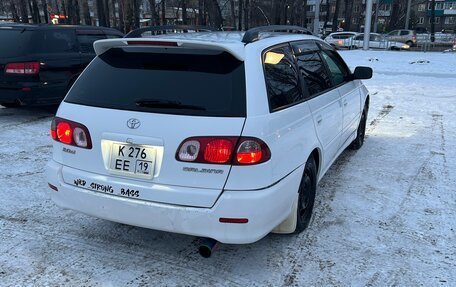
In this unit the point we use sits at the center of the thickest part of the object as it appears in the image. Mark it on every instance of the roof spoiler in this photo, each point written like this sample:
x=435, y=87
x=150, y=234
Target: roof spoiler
x=159, y=30
x=234, y=49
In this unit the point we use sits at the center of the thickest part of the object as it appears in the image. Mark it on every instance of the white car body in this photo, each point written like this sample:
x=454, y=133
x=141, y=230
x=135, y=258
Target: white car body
x=376, y=41
x=191, y=198
x=337, y=39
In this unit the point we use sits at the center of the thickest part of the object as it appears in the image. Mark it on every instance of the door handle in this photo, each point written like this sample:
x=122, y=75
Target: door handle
x=345, y=103
x=319, y=119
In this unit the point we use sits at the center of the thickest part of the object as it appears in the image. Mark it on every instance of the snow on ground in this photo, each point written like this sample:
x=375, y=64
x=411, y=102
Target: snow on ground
x=384, y=215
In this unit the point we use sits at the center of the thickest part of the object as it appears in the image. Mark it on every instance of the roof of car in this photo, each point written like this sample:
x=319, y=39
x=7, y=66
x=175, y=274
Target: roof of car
x=231, y=42
x=344, y=32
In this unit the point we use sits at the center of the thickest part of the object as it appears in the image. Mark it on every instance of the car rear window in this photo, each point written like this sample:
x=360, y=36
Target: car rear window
x=192, y=82
x=15, y=42
x=21, y=42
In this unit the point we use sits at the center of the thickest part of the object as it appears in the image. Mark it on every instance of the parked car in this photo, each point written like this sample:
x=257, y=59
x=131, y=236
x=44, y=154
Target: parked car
x=230, y=151
x=39, y=63
x=403, y=36
x=376, y=41
x=337, y=39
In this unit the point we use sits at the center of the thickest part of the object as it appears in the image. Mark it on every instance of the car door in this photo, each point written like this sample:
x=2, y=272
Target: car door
x=349, y=92
x=324, y=101
x=393, y=35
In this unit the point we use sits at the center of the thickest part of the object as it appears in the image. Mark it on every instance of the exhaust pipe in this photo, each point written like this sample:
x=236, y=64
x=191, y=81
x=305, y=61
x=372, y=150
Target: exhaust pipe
x=207, y=247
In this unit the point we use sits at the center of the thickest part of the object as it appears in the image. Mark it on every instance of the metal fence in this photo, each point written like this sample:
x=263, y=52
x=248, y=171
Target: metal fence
x=442, y=42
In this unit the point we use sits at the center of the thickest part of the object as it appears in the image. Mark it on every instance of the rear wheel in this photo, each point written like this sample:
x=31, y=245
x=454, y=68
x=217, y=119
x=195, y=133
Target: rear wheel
x=359, y=140
x=306, y=195
x=410, y=43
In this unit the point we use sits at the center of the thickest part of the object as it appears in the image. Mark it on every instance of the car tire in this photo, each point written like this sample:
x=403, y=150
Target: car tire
x=410, y=43
x=358, y=142
x=306, y=196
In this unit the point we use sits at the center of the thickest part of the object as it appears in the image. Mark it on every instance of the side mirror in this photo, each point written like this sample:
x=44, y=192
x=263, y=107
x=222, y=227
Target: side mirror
x=362, y=73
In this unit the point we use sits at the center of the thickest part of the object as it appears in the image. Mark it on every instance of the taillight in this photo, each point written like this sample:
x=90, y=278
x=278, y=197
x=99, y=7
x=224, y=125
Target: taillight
x=223, y=150
x=27, y=68
x=218, y=151
x=71, y=133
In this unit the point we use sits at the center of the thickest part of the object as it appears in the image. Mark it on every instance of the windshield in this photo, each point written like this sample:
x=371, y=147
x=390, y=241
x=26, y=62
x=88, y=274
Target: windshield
x=172, y=81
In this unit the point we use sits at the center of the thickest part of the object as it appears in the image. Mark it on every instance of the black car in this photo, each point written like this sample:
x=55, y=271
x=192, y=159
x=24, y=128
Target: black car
x=39, y=63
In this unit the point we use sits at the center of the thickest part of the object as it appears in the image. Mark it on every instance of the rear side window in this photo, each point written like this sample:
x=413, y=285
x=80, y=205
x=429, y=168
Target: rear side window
x=163, y=80
x=282, y=82
x=58, y=41
x=86, y=39
x=404, y=32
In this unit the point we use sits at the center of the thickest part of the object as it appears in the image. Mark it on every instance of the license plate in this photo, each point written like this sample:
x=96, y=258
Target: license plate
x=133, y=160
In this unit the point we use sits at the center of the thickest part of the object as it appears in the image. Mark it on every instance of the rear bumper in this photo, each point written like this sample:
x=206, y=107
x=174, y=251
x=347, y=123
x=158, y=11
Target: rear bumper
x=32, y=94
x=264, y=209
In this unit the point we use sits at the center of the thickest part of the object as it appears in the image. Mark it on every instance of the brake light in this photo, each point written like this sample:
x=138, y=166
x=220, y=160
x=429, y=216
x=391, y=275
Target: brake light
x=27, y=68
x=153, y=43
x=64, y=132
x=223, y=150
x=218, y=151
x=71, y=133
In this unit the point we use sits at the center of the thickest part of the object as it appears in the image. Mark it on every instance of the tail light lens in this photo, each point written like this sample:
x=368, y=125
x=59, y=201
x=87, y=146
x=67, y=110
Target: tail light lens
x=223, y=150
x=218, y=151
x=71, y=133
x=27, y=68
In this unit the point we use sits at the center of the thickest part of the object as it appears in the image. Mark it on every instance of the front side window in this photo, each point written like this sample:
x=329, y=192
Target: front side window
x=313, y=72
x=281, y=77
x=337, y=68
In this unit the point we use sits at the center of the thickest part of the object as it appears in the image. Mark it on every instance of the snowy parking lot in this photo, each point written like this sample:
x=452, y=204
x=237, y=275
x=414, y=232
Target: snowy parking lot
x=384, y=215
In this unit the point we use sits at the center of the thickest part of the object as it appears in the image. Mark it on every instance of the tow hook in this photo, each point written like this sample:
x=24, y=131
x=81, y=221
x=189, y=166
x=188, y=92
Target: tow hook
x=207, y=247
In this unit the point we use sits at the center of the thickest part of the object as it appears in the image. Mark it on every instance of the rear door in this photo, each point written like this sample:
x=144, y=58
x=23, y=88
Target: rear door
x=324, y=100
x=155, y=98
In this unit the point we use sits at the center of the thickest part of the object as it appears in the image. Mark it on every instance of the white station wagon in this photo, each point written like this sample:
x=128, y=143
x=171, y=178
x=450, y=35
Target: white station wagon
x=222, y=135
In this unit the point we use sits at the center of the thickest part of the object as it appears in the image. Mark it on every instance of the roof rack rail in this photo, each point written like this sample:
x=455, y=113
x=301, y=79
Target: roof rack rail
x=252, y=35
x=155, y=30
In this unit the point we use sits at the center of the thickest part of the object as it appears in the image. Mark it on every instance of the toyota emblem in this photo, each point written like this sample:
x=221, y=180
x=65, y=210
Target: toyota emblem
x=133, y=123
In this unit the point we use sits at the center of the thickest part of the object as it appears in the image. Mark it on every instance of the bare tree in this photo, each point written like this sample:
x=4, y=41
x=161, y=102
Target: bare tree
x=240, y=9
x=14, y=11
x=348, y=13
x=246, y=14
x=163, y=9
x=153, y=13
x=113, y=8
x=101, y=13
x=45, y=12
x=24, y=11
x=184, y=12
x=106, y=11
x=86, y=12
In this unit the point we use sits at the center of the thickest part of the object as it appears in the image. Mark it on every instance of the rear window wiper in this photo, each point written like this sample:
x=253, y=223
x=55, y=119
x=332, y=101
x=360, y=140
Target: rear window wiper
x=166, y=104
